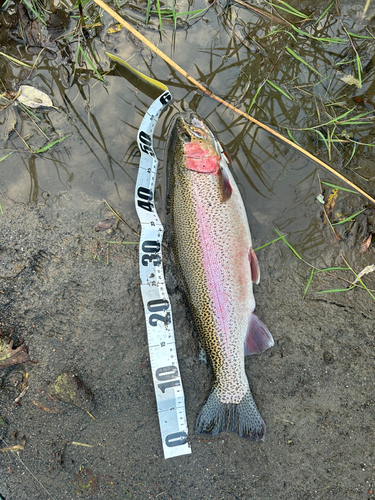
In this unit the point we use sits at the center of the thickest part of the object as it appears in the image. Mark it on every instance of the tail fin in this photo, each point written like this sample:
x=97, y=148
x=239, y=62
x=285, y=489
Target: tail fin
x=242, y=418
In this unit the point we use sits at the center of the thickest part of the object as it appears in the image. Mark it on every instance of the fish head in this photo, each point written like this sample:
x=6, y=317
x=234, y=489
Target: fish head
x=197, y=145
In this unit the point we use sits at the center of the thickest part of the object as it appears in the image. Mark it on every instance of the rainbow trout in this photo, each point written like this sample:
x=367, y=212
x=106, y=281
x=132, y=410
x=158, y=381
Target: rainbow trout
x=211, y=245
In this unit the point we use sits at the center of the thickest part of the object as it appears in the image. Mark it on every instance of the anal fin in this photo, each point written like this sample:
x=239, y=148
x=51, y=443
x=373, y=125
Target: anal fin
x=258, y=337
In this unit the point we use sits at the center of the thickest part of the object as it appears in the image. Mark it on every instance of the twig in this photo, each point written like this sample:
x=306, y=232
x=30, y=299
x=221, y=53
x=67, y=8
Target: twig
x=82, y=444
x=21, y=395
x=12, y=449
x=119, y=216
x=54, y=410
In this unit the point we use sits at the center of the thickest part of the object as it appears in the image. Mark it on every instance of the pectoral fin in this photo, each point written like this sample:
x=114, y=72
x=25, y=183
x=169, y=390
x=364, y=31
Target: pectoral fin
x=258, y=338
x=254, y=266
x=225, y=186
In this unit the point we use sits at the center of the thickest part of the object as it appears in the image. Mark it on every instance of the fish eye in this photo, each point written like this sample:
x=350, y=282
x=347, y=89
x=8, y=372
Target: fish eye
x=185, y=137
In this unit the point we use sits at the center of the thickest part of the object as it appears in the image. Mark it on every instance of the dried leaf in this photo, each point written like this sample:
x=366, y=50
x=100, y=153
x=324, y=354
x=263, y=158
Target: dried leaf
x=54, y=410
x=351, y=80
x=34, y=98
x=16, y=447
x=85, y=483
x=105, y=224
x=366, y=243
x=366, y=270
x=115, y=28
x=71, y=390
x=9, y=123
x=330, y=205
x=10, y=356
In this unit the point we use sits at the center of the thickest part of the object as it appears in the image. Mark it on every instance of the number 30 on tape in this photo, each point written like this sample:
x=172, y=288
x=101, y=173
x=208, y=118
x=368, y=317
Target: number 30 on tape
x=159, y=321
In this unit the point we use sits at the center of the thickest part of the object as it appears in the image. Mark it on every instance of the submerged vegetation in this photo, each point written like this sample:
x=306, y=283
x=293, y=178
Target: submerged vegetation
x=305, y=74
x=304, y=57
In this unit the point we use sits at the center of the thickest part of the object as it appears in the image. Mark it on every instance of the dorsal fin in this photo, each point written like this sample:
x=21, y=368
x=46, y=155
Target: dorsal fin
x=258, y=338
x=254, y=266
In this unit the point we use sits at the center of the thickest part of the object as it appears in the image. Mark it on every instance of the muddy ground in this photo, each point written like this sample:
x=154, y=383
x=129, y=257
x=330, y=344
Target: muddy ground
x=314, y=388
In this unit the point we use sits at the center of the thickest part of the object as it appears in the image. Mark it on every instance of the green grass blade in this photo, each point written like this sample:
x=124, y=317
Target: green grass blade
x=368, y=144
x=337, y=121
x=288, y=244
x=291, y=10
x=291, y=137
x=308, y=283
x=15, y=60
x=323, y=139
x=49, y=146
x=166, y=12
x=174, y=13
x=354, y=35
x=6, y=156
x=319, y=39
x=28, y=111
x=279, y=89
x=269, y=243
x=82, y=2
x=254, y=98
x=340, y=63
x=348, y=218
x=80, y=49
x=332, y=269
x=357, y=117
x=195, y=12
x=338, y=187
x=324, y=13
x=148, y=11
x=296, y=56
x=351, y=156
x=159, y=15
x=359, y=68
x=334, y=290
x=349, y=122
x=35, y=12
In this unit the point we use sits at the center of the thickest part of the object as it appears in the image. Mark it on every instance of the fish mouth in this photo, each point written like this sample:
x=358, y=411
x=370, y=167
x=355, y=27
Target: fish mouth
x=196, y=122
x=194, y=126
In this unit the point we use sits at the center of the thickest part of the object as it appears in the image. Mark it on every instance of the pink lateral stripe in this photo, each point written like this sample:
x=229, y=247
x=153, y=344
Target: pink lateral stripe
x=212, y=270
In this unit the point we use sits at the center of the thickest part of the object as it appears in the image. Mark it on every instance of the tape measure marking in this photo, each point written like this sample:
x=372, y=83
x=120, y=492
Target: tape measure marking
x=159, y=322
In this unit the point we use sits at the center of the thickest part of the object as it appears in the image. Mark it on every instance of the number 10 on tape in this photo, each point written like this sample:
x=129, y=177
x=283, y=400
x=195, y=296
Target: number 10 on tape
x=163, y=357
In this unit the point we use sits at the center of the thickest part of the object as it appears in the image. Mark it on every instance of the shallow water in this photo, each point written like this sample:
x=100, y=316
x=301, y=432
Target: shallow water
x=314, y=388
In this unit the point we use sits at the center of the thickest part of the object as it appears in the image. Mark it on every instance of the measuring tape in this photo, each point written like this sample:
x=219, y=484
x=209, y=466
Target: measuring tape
x=163, y=356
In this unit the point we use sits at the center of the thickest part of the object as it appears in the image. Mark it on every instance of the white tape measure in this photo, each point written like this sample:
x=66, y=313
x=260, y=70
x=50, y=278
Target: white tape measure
x=163, y=357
